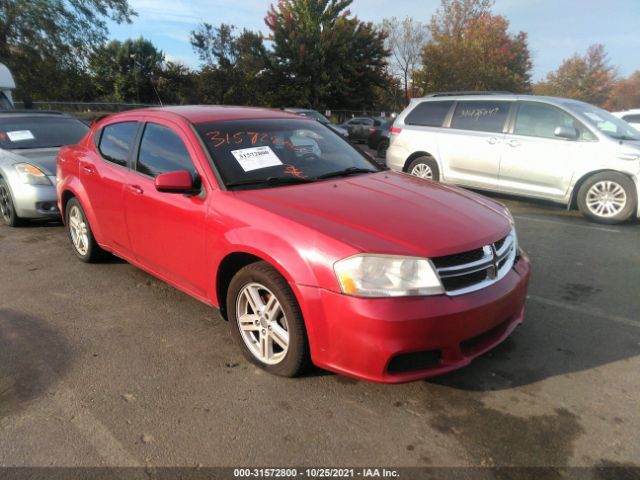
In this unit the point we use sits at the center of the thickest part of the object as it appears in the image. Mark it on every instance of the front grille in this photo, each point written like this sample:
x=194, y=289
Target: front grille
x=470, y=271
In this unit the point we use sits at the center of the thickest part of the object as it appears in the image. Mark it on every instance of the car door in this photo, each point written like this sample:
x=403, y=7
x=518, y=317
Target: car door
x=167, y=230
x=469, y=149
x=103, y=177
x=535, y=161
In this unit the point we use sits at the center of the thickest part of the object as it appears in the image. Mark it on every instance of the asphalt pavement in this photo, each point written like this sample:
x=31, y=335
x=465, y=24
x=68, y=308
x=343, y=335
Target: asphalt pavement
x=105, y=365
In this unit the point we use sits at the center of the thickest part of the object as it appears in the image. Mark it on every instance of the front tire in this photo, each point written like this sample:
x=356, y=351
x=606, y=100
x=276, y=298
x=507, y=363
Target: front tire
x=607, y=197
x=83, y=243
x=381, y=151
x=266, y=320
x=424, y=167
x=7, y=208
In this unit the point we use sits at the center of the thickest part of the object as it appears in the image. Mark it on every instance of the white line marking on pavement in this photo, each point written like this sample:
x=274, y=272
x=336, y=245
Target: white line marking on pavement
x=553, y=222
x=97, y=434
x=592, y=312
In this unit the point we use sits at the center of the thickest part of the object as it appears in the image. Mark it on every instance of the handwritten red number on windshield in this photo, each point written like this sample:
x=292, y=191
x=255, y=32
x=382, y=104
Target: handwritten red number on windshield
x=292, y=170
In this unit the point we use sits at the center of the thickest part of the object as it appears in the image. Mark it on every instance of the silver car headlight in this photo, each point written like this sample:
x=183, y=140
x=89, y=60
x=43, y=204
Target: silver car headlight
x=31, y=174
x=387, y=276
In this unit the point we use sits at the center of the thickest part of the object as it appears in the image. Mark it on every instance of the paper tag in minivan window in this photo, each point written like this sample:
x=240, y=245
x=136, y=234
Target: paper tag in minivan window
x=256, y=158
x=20, y=135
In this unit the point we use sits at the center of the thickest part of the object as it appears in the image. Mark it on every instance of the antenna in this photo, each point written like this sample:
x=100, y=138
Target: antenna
x=157, y=94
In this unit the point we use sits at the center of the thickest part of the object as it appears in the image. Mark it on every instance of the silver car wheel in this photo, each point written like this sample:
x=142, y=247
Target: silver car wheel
x=262, y=323
x=78, y=229
x=606, y=199
x=422, y=170
x=5, y=203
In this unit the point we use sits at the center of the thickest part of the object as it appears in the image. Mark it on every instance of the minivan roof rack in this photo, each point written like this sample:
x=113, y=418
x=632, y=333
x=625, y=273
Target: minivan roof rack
x=473, y=92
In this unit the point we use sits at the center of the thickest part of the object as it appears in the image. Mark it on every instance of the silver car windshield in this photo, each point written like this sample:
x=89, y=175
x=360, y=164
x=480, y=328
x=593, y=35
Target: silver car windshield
x=608, y=124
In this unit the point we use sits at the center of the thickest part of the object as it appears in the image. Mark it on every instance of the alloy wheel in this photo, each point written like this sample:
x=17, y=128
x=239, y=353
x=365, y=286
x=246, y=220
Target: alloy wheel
x=262, y=323
x=606, y=198
x=5, y=204
x=78, y=230
x=422, y=170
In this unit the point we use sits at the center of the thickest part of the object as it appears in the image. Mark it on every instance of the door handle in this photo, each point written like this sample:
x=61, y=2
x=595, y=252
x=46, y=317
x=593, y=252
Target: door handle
x=492, y=140
x=136, y=189
x=513, y=143
x=87, y=169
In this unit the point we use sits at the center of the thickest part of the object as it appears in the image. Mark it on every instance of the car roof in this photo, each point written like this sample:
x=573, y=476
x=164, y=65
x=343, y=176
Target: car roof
x=212, y=113
x=480, y=96
x=32, y=113
x=630, y=111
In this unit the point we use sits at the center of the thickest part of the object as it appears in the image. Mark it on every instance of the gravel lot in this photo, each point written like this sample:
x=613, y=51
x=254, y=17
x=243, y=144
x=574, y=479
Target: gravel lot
x=104, y=365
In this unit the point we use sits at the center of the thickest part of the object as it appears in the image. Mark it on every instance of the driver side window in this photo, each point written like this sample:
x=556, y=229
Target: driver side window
x=540, y=120
x=162, y=150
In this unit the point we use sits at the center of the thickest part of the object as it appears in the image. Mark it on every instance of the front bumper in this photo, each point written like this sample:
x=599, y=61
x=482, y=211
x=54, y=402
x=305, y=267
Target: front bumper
x=35, y=201
x=395, y=340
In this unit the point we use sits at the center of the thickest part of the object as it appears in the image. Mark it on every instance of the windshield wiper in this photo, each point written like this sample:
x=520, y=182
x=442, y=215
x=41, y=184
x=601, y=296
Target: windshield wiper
x=272, y=181
x=345, y=172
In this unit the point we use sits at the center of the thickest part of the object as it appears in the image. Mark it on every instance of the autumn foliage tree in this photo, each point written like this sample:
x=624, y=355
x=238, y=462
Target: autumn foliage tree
x=625, y=93
x=322, y=56
x=471, y=49
x=587, y=77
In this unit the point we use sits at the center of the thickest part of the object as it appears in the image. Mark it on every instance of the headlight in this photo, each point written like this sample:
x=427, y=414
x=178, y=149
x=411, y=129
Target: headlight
x=387, y=276
x=31, y=174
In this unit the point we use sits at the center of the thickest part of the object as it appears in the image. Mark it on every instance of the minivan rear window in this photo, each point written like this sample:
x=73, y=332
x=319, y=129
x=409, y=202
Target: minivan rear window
x=483, y=116
x=429, y=114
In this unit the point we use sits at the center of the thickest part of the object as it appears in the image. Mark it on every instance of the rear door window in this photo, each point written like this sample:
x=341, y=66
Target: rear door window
x=632, y=118
x=162, y=150
x=116, y=142
x=429, y=114
x=483, y=116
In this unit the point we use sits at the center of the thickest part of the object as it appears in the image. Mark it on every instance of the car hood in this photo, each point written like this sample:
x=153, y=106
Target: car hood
x=43, y=158
x=389, y=212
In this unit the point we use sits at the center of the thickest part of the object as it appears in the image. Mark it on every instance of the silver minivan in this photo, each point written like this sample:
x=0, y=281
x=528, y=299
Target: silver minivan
x=551, y=148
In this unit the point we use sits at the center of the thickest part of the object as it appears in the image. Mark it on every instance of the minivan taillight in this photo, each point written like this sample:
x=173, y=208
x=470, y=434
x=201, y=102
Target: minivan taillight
x=394, y=130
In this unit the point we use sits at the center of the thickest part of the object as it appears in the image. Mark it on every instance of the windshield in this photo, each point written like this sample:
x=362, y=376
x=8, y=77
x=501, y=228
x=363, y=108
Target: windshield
x=608, y=124
x=267, y=152
x=24, y=132
x=315, y=115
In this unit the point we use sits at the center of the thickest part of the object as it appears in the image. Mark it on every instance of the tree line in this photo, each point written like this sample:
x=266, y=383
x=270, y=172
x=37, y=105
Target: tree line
x=316, y=54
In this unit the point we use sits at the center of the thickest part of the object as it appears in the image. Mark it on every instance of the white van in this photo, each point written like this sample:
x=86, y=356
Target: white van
x=7, y=84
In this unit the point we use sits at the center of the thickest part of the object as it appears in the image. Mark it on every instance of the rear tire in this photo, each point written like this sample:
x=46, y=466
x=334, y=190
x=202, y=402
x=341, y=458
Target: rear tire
x=424, y=167
x=266, y=320
x=83, y=243
x=607, y=197
x=7, y=208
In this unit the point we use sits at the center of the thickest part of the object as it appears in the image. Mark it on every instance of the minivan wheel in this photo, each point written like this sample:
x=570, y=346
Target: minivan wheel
x=266, y=320
x=424, y=167
x=82, y=241
x=607, y=197
x=7, y=209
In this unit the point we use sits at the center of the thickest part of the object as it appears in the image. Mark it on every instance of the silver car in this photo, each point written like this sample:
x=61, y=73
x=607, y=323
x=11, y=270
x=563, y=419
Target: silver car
x=551, y=148
x=29, y=143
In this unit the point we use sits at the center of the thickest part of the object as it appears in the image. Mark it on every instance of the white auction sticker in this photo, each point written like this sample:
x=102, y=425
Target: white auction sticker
x=20, y=135
x=256, y=158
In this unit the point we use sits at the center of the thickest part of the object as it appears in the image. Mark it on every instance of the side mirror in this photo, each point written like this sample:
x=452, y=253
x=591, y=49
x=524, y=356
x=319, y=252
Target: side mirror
x=570, y=133
x=179, y=181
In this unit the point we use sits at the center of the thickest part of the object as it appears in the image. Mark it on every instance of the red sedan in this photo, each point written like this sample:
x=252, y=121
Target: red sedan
x=311, y=251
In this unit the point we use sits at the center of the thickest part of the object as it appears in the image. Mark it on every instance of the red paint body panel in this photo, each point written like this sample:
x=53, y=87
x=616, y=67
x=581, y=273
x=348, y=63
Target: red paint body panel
x=302, y=230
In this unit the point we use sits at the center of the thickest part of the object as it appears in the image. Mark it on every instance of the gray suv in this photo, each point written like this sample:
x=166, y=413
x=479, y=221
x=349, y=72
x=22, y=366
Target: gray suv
x=551, y=148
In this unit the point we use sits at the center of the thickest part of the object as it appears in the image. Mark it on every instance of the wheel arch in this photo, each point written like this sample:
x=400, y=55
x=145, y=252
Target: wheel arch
x=573, y=199
x=419, y=154
x=228, y=267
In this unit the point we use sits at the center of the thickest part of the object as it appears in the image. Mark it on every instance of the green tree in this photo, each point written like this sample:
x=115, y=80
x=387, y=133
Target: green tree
x=44, y=42
x=471, y=49
x=126, y=71
x=176, y=84
x=587, y=77
x=322, y=56
x=234, y=65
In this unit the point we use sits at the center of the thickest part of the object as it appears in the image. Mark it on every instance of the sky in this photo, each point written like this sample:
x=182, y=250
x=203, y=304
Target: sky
x=557, y=28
